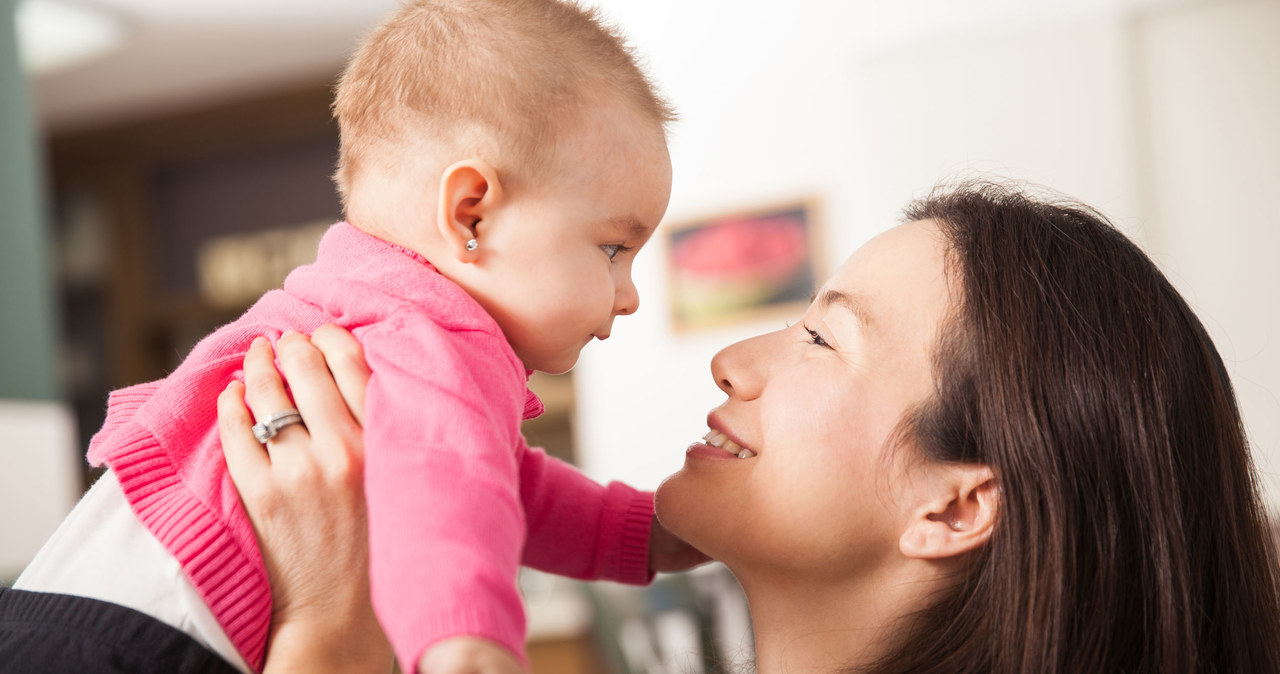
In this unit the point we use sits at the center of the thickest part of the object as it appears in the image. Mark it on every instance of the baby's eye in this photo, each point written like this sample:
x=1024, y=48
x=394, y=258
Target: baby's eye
x=612, y=249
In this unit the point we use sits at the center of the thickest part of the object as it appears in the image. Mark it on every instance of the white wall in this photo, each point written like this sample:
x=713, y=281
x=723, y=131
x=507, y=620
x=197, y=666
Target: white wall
x=1212, y=97
x=866, y=105
x=39, y=478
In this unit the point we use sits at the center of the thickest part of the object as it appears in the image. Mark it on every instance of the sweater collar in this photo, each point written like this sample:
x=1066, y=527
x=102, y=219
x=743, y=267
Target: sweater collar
x=533, y=406
x=345, y=246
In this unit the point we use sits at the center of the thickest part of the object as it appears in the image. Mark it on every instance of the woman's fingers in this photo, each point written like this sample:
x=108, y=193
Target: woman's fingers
x=306, y=501
x=264, y=390
x=246, y=461
x=345, y=358
x=336, y=435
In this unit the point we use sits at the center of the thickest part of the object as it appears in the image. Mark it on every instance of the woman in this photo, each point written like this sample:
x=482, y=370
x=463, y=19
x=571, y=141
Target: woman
x=998, y=441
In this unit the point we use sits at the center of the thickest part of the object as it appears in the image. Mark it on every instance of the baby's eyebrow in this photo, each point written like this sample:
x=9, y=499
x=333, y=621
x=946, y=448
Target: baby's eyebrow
x=630, y=225
x=853, y=303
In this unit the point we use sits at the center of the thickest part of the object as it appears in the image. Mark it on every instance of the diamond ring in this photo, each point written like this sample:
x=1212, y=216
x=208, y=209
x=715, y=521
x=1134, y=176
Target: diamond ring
x=265, y=430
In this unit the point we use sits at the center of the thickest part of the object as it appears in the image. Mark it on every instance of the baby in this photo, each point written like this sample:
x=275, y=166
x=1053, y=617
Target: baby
x=502, y=162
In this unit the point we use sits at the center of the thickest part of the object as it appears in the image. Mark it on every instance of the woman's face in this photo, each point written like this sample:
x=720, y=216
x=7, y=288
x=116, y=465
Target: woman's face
x=816, y=403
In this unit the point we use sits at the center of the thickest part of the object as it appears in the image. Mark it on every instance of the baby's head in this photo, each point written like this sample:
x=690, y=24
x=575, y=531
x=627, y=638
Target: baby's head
x=527, y=127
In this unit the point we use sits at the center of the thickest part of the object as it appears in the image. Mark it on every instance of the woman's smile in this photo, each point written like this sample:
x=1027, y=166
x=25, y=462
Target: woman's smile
x=719, y=443
x=721, y=440
x=717, y=447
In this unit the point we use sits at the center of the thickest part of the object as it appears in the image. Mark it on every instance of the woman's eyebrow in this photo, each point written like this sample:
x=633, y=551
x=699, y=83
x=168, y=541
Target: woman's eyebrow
x=853, y=303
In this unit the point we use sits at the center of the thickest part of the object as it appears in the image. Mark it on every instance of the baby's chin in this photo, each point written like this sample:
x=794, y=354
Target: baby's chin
x=552, y=365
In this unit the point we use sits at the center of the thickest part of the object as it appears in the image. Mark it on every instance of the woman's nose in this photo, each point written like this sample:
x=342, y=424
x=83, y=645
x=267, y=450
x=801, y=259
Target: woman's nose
x=740, y=369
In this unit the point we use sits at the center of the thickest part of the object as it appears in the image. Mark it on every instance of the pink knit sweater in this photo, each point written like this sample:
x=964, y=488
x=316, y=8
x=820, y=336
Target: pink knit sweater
x=456, y=499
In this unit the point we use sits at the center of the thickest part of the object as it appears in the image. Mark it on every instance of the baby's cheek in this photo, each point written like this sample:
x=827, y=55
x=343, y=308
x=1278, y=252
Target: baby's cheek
x=598, y=304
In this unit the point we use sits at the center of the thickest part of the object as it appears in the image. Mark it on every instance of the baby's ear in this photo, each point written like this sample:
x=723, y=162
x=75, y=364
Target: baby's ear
x=469, y=190
x=958, y=516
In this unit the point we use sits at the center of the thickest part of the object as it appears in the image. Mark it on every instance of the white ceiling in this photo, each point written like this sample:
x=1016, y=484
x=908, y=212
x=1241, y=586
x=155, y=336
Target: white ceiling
x=179, y=53
x=182, y=53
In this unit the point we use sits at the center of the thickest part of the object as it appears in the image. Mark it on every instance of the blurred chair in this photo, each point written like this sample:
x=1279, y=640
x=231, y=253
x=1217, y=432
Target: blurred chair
x=690, y=623
x=40, y=478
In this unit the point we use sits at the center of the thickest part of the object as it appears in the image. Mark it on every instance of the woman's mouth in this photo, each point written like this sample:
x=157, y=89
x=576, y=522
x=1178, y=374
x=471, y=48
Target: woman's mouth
x=717, y=439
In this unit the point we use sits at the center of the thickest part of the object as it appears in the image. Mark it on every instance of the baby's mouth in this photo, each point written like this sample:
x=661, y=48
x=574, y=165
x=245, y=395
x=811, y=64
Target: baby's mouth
x=715, y=438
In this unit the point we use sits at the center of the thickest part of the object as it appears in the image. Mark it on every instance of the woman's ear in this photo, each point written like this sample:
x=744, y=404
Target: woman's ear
x=469, y=192
x=957, y=517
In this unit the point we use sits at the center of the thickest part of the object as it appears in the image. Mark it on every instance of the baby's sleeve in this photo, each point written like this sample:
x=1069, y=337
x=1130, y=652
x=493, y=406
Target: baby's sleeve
x=581, y=529
x=446, y=526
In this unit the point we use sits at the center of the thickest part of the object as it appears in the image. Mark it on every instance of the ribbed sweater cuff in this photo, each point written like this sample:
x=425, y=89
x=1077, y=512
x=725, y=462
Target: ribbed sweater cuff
x=232, y=580
x=627, y=520
x=486, y=622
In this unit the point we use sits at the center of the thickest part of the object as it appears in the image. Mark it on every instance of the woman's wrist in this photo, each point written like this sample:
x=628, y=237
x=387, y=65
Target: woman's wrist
x=299, y=647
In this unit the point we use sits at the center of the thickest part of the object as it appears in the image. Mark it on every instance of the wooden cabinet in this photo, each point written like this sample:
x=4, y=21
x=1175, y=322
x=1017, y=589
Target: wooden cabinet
x=137, y=207
x=134, y=203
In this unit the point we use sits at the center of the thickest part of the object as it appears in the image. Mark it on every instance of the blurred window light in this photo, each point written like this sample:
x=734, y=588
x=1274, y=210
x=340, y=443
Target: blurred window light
x=55, y=35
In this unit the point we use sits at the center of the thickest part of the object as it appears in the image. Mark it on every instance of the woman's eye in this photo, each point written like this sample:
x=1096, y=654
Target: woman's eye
x=612, y=249
x=815, y=338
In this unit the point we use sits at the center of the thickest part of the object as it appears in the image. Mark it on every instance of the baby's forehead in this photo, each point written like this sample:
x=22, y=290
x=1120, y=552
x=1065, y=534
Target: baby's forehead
x=613, y=139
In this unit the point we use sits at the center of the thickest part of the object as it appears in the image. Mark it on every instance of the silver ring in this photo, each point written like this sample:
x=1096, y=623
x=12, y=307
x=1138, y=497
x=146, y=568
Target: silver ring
x=265, y=430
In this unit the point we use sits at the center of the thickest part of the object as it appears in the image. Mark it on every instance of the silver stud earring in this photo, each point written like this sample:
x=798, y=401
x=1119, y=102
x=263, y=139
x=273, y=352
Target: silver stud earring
x=473, y=244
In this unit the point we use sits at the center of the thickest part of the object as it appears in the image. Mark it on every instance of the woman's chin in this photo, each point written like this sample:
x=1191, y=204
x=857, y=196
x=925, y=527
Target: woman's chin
x=684, y=506
x=671, y=504
x=662, y=497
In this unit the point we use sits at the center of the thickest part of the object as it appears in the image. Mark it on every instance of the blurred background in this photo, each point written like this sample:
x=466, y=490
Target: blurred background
x=163, y=163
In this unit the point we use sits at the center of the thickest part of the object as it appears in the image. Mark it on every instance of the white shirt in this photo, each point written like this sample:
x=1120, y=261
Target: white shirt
x=102, y=551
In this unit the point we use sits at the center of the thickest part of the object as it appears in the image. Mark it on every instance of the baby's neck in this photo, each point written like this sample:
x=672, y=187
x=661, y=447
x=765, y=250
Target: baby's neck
x=412, y=245
x=389, y=210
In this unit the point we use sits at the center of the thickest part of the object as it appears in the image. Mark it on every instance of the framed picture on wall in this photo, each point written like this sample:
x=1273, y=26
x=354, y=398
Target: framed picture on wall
x=742, y=266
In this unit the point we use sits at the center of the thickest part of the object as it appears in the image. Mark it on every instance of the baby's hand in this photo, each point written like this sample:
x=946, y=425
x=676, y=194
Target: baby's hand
x=668, y=554
x=468, y=655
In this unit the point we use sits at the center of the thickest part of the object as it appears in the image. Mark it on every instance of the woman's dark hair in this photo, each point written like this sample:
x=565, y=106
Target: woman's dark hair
x=1130, y=535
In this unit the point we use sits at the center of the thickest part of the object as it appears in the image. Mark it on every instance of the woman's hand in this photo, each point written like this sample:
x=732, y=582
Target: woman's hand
x=305, y=498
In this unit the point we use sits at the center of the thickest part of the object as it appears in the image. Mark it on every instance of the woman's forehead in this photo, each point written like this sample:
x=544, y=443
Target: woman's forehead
x=906, y=263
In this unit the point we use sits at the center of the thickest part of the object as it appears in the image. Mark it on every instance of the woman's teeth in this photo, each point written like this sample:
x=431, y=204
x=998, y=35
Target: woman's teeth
x=718, y=439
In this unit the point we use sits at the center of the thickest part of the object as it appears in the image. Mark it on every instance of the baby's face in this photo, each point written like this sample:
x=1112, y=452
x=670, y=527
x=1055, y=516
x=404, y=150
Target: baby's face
x=565, y=250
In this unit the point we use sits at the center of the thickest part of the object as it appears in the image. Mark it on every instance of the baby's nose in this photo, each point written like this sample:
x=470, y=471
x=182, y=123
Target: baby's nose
x=627, y=299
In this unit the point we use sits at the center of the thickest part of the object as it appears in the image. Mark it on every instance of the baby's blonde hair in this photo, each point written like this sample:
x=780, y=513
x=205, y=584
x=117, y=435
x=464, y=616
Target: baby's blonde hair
x=499, y=77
